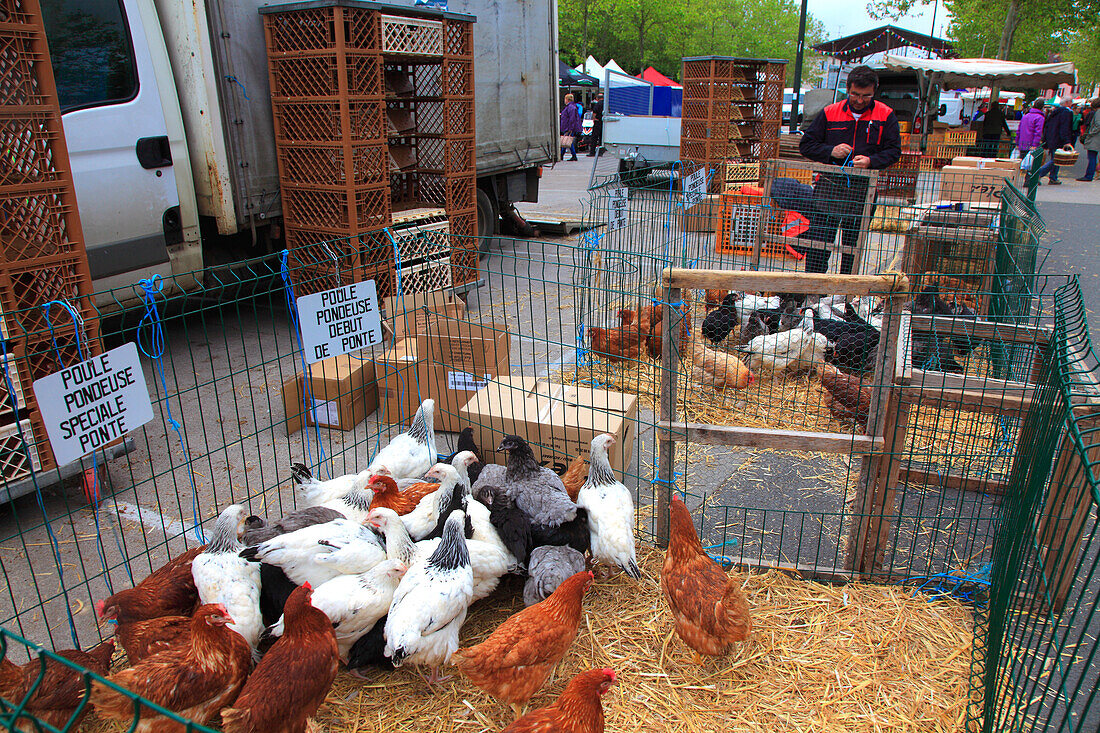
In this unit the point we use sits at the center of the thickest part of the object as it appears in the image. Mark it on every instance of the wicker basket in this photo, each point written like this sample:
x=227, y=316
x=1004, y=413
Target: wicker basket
x=1065, y=156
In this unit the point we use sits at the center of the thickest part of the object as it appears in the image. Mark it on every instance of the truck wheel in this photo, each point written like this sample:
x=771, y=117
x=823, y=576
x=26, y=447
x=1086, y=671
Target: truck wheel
x=487, y=221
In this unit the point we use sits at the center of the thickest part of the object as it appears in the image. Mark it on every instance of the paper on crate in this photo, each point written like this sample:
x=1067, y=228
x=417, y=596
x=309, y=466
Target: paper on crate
x=958, y=183
x=342, y=393
x=407, y=315
x=558, y=420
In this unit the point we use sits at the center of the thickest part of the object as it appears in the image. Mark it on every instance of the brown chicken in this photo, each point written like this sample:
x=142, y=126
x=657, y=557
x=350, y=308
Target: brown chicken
x=718, y=369
x=709, y=609
x=714, y=299
x=168, y=591
x=575, y=476
x=651, y=323
x=61, y=690
x=517, y=658
x=293, y=678
x=577, y=710
x=388, y=496
x=141, y=639
x=848, y=399
x=195, y=680
x=621, y=342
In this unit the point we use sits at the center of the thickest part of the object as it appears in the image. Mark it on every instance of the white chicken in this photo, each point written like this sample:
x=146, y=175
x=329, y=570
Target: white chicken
x=434, y=508
x=354, y=603
x=222, y=576
x=315, y=492
x=747, y=303
x=796, y=350
x=610, y=511
x=429, y=606
x=413, y=452
x=320, y=552
x=354, y=505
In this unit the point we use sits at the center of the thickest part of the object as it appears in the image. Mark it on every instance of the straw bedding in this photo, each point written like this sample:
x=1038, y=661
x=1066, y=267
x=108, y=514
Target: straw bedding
x=857, y=657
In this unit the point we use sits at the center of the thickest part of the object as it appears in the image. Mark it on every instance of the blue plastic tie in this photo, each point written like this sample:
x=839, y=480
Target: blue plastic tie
x=307, y=384
x=150, y=287
x=238, y=83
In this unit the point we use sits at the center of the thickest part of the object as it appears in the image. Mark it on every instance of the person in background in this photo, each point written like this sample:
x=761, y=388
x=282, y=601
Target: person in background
x=1030, y=134
x=570, y=123
x=596, y=140
x=1075, y=126
x=992, y=126
x=1057, y=133
x=859, y=132
x=1090, y=139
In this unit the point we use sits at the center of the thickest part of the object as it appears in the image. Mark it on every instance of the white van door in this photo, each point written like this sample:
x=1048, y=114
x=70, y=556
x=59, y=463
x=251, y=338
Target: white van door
x=119, y=147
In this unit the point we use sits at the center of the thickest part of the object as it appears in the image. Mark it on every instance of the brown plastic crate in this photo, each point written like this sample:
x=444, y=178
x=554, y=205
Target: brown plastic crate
x=27, y=139
x=461, y=193
x=19, y=452
x=409, y=78
x=385, y=278
x=458, y=78
x=20, y=54
x=40, y=357
x=323, y=120
x=28, y=287
x=319, y=76
x=35, y=223
x=458, y=117
x=458, y=38
x=308, y=207
x=316, y=29
x=696, y=69
x=15, y=11
x=10, y=366
x=410, y=36
x=460, y=156
x=315, y=164
x=414, y=189
x=339, y=255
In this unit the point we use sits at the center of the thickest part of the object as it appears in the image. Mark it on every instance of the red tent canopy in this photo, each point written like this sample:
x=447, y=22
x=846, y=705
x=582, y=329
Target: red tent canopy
x=657, y=78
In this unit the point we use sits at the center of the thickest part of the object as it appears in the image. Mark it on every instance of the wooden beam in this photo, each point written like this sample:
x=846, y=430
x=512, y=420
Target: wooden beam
x=747, y=437
x=903, y=364
x=825, y=573
x=930, y=379
x=782, y=239
x=952, y=480
x=666, y=449
x=980, y=329
x=783, y=282
x=991, y=403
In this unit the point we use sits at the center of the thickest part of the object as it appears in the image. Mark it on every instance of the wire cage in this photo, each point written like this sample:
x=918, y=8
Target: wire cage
x=782, y=472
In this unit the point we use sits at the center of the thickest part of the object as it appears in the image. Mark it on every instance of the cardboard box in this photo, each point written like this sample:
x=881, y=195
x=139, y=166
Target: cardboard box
x=972, y=184
x=398, y=373
x=460, y=358
x=1008, y=164
x=343, y=393
x=703, y=217
x=559, y=421
x=407, y=315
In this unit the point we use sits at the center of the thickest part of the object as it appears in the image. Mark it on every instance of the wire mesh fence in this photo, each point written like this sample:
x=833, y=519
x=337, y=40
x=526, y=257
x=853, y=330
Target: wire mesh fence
x=873, y=427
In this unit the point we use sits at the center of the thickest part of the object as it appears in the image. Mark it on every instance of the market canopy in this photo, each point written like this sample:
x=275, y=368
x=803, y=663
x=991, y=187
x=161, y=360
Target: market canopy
x=612, y=66
x=984, y=72
x=884, y=38
x=591, y=67
x=657, y=78
x=572, y=78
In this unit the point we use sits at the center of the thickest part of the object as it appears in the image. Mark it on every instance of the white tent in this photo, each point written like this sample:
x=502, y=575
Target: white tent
x=592, y=67
x=984, y=72
x=615, y=67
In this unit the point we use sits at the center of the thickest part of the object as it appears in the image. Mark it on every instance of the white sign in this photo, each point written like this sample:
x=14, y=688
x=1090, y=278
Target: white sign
x=339, y=321
x=617, y=214
x=90, y=404
x=695, y=188
x=466, y=382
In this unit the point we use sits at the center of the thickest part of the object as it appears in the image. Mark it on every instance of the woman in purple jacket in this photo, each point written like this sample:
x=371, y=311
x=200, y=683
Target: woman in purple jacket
x=570, y=121
x=1030, y=135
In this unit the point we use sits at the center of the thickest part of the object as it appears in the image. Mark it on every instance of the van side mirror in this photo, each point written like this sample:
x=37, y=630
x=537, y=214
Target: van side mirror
x=942, y=110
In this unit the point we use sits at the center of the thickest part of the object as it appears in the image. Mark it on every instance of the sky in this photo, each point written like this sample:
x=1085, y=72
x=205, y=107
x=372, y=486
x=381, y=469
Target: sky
x=845, y=17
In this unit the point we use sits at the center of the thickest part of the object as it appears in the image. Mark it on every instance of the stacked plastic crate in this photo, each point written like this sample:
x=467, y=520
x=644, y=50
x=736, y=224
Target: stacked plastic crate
x=733, y=108
x=373, y=108
x=42, y=257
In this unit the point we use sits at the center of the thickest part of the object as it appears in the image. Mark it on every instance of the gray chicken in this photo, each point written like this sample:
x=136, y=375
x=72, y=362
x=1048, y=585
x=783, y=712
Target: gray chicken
x=256, y=530
x=549, y=566
x=537, y=491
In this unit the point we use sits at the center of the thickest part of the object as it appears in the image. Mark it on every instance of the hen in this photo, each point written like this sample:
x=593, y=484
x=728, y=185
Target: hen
x=714, y=298
x=622, y=342
x=848, y=399
x=610, y=510
x=167, y=591
x=141, y=639
x=512, y=526
x=320, y=552
x=721, y=320
x=55, y=698
x=708, y=608
x=293, y=678
x=256, y=530
x=575, y=476
x=514, y=662
x=353, y=505
x=537, y=490
x=315, y=492
x=430, y=604
x=717, y=369
x=652, y=325
x=549, y=567
x=795, y=350
x=430, y=514
x=222, y=576
x=388, y=495
x=577, y=710
x=413, y=452
x=195, y=681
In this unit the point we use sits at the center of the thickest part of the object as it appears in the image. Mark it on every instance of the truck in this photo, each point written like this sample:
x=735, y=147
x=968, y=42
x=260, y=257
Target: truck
x=167, y=116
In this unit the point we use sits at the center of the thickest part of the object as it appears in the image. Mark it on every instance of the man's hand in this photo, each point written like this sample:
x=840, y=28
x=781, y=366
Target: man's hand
x=861, y=161
x=841, y=151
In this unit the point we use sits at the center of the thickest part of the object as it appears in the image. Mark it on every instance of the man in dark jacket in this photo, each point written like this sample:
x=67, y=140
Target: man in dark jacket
x=858, y=132
x=1057, y=133
x=596, y=139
